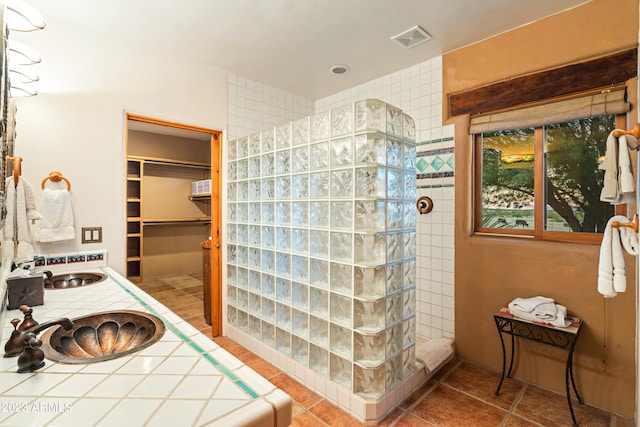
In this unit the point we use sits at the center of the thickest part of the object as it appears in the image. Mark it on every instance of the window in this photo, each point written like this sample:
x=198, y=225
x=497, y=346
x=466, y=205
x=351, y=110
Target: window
x=544, y=181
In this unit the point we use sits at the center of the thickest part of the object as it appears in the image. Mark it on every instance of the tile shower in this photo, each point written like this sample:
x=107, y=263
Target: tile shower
x=321, y=244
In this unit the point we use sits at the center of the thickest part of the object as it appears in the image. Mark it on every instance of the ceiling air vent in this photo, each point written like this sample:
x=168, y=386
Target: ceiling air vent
x=412, y=37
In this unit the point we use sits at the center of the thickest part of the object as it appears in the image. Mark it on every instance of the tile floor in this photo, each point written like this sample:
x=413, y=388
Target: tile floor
x=460, y=394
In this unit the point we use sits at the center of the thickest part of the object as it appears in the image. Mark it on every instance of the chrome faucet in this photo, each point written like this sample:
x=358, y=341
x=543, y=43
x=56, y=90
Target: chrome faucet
x=17, y=342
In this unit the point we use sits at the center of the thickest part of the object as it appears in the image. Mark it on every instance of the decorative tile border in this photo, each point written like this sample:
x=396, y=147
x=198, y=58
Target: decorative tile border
x=439, y=163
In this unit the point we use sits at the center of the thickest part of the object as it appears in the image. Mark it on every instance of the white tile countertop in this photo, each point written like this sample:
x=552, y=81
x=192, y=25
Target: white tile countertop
x=185, y=379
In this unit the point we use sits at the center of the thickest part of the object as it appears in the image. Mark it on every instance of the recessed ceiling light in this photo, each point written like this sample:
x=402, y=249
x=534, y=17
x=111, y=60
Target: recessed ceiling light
x=339, y=68
x=412, y=37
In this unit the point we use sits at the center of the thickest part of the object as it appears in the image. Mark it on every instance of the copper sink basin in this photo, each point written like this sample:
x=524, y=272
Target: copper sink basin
x=102, y=336
x=73, y=280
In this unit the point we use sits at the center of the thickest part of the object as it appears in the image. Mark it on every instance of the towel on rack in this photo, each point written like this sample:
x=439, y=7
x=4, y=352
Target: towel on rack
x=530, y=304
x=619, y=183
x=21, y=209
x=547, y=312
x=611, y=267
x=57, y=216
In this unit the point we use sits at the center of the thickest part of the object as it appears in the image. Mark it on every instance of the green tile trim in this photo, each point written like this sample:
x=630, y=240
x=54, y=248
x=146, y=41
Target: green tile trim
x=237, y=381
x=435, y=141
x=436, y=186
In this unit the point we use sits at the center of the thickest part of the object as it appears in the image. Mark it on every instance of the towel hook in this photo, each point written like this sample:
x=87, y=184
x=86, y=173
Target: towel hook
x=56, y=176
x=17, y=168
x=635, y=132
x=633, y=224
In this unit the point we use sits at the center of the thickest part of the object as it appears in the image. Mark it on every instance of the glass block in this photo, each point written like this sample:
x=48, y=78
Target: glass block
x=340, y=371
x=319, y=124
x=319, y=243
x=319, y=185
x=394, y=309
x=283, y=316
x=242, y=299
x=283, y=290
x=369, y=383
x=408, y=331
x=370, y=282
x=242, y=317
x=283, y=136
x=268, y=334
x=341, y=152
x=370, y=182
x=231, y=295
x=231, y=274
x=255, y=215
x=255, y=258
x=341, y=247
x=254, y=235
x=342, y=120
x=283, y=213
x=409, y=215
x=242, y=169
x=300, y=213
x=254, y=190
x=340, y=311
x=394, y=340
x=300, y=241
x=394, y=121
x=319, y=360
x=370, y=148
x=341, y=280
x=283, y=188
x=243, y=256
x=300, y=268
x=300, y=132
x=340, y=340
x=232, y=150
x=409, y=244
x=232, y=254
x=268, y=189
x=253, y=166
x=268, y=139
x=408, y=303
x=267, y=164
x=319, y=273
x=300, y=159
x=409, y=156
x=319, y=302
x=283, y=239
x=394, y=215
x=243, y=191
x=232, y=190
x=394, y=277
x=342, y=183
x=319, y=156
x=394, y=247
x=242, y=145
x=300, y=350
x=300, y=295
x=370, y=114
x=300, y=186
x=369, y=316
x=268, y=237
x=232, y=316
x=283, y=341
x=283, y=264
x=408, y=361
x=231, y=171
x=394, y=372
x=408, y=127
x=319, y=214
x=254, y=144
x=268, y=285
x=231, y=233
x=268, y=215
x=369, y=350
x=254, y=304
x=283, y=162
x=410, y=185
x=369, y=215
x=319, y=331
x=268, y=261
x=300, y=323
x=369, y=249
x=409, y=277
x=255, y=281
x=243, y=277
x=341, y=215
x=395, y=156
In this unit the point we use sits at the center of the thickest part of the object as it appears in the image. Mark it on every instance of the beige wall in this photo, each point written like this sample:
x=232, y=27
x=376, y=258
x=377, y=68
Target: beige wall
x=490, y=272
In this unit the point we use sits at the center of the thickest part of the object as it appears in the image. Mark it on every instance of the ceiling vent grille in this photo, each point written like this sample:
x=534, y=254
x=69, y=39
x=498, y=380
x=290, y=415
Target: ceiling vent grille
x=412, y=37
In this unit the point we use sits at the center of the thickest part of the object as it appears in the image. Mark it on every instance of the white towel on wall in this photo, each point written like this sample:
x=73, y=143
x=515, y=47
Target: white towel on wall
x=21, y=211
x=57, y=216
x=619, y=183
x=612, y=276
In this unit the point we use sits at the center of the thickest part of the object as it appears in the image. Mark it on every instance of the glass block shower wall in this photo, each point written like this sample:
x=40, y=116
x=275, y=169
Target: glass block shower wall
x=321, y=243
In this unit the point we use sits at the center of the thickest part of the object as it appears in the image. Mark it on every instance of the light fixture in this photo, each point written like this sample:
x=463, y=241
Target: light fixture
x=339, y=68
x=20, y=90
x=22, y=74
x=23, y=17
x=411, y=37
x=21, y=54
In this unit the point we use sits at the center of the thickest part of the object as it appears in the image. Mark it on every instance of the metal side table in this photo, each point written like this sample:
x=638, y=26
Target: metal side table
x=565, y=338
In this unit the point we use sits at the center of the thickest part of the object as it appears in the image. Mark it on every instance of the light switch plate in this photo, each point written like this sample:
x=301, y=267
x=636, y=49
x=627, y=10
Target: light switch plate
x=91, y=234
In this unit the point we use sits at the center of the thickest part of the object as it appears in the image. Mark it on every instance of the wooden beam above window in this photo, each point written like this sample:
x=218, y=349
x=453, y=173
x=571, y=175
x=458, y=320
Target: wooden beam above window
x=574, y=78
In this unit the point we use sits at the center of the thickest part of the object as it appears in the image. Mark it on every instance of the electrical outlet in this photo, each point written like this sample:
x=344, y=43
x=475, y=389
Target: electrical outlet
x=91, y=234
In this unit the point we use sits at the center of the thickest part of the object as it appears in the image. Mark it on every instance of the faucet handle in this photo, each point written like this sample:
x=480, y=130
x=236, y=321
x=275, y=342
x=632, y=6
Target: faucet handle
x=28, y=321
x=15, y=322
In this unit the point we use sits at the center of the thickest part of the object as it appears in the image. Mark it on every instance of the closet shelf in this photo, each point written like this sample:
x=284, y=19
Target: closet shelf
x=171, y=162
x=193, y=197
x=162, y=221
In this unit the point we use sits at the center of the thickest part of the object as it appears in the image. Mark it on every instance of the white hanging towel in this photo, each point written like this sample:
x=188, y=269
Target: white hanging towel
x=57, y=216
x=21, y=210
x=619, y=183
x=612, y=276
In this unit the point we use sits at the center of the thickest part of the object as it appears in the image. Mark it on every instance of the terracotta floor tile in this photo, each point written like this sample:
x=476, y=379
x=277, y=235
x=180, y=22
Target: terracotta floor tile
x=153, y=288
x=297, y=391
x=391, y=418
x=411, y=421
x=306, y=420
x=296, y=410
x=231, y=346
x=179, y=301
x=418, y=394
x=334, y=416
x=446, y=407
x=482, y=383
x=261, y=366
x=516, y=421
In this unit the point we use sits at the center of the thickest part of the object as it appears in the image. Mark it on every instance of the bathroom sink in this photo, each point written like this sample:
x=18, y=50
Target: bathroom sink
x=102, y=336
x=73, y=280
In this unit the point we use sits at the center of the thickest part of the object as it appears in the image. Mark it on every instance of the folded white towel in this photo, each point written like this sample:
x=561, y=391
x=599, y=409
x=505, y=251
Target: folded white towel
x=529, y=304
x=619, y=183
x=547, y=311
x=57, y=216
x=611, y=267
x=560, y=319
x=434, y=352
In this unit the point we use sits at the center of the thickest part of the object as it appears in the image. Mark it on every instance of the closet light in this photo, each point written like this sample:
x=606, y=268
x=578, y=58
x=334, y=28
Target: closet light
x=23, y=17
x=21, y=54
x=21, y=90
x=22, y=74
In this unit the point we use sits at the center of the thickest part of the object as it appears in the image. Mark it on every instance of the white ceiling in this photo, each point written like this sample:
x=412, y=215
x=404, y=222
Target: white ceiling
x=290, y=44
